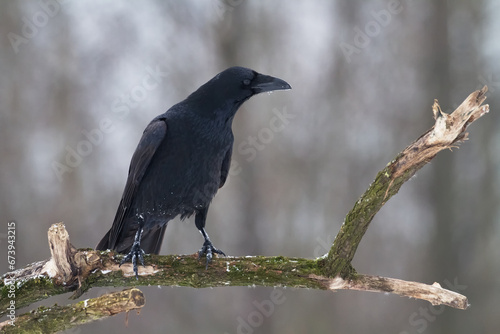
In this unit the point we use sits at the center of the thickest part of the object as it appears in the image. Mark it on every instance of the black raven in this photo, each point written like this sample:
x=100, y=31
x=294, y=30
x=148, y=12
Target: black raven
x=181, y=161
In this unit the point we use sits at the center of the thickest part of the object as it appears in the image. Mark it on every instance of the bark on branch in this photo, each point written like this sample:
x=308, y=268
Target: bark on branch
x=59, y=318
x=71, y=269
x=186, y=270
x=447, y=132
x=434, y=293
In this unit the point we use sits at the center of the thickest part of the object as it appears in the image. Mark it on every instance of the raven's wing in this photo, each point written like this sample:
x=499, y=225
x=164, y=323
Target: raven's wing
x=226, y=164
x=153, y=136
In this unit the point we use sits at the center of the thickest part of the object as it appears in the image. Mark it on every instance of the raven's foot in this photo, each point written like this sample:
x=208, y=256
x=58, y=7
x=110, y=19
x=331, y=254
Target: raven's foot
x=209, y=250
x=135, y=253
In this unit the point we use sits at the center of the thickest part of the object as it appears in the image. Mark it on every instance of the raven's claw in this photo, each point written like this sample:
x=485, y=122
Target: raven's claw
x=135, y=252
x=209, y=249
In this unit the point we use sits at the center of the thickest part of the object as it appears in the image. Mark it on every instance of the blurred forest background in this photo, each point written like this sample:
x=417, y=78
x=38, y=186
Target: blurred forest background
x=80, y=80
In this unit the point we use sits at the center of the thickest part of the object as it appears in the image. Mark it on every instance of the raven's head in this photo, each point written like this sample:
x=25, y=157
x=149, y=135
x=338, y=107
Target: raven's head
x=227, y=91
x=244, y=82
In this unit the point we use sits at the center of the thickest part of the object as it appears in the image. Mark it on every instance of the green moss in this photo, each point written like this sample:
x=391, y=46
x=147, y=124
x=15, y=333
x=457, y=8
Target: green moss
x=184, y=271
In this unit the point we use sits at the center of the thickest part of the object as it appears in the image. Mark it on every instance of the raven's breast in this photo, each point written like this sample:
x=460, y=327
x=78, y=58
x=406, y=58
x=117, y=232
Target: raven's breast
x=185, y=172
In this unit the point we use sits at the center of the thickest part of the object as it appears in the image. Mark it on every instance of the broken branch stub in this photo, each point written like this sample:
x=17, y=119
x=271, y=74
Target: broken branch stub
x=447, y=132
x=67, y=265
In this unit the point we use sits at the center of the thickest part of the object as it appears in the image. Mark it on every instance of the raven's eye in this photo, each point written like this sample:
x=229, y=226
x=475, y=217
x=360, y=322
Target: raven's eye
x=246, y=82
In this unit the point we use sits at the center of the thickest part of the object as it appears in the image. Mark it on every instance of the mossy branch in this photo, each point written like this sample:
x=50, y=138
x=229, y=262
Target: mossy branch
x=100, y=269
x=447, y=132
x=58, y=318
x=78, y=270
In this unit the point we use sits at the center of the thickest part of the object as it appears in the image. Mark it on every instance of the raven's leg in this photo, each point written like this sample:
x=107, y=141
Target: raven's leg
x=135, y=252
x=207, y=248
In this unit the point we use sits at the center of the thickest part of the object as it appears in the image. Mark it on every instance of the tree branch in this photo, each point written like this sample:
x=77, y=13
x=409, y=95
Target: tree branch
x=42, y=279
x=447, y=132
x=71, y=269
x=434, y=293
x=58, y=318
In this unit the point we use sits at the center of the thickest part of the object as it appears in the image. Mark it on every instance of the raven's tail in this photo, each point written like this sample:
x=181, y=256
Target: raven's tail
x=150, y=242
x=104, y=243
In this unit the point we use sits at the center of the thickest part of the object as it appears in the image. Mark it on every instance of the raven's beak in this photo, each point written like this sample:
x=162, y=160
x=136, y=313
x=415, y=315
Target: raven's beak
x=266, y=83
